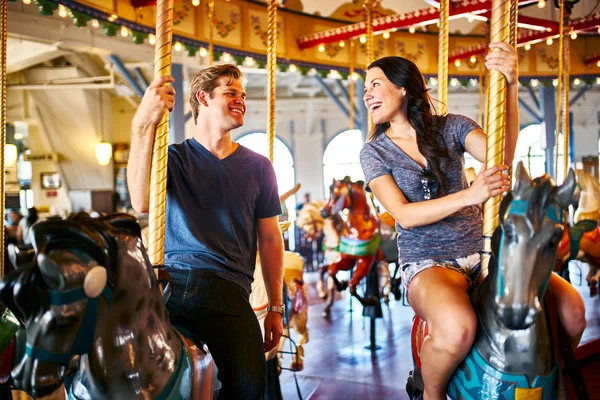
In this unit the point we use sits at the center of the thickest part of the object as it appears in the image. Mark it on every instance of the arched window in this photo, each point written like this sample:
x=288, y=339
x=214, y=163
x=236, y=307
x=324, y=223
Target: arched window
x=528, y=150
x=283, y=163
x=341, y=158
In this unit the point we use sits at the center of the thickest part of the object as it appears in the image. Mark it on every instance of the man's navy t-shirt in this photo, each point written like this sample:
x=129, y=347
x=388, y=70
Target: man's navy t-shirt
x=212, y=209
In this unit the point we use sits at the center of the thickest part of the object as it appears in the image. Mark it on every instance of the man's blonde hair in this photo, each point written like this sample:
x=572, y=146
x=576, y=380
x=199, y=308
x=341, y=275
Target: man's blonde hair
x=206, y=81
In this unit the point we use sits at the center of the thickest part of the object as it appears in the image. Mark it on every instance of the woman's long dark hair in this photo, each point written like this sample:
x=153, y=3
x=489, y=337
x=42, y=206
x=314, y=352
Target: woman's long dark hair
x=32, y=216
x=419, y=111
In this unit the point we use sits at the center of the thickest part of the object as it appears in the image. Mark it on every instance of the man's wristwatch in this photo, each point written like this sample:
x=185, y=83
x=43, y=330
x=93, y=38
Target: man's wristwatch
x=277, y=309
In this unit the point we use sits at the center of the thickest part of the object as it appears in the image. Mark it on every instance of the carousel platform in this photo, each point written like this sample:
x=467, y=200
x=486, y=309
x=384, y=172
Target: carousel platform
x=338, y=366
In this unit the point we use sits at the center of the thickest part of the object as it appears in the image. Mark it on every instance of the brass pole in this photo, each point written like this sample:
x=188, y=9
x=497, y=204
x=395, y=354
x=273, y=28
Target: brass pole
x=3, y=40
x=351, y=89
x=271, y=74
x=496, y=118
x=211, y=32
x=562, y=116
x=443, y=39
x=369, y=7
x=158, y=171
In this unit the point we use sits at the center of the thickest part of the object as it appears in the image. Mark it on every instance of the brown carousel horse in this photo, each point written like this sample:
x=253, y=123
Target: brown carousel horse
x=360, y=240
x=582, y=240
x=91, y=291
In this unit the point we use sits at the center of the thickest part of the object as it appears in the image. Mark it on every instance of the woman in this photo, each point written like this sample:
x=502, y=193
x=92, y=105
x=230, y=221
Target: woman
x=25, y=224
x=414, y=164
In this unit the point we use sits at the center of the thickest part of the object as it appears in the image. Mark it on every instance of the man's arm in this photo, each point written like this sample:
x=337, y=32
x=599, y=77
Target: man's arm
x=270, y=249
x=158, y=99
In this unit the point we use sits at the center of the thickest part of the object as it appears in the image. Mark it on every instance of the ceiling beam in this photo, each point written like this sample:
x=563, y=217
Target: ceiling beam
x=25, y=54
x=423, y=16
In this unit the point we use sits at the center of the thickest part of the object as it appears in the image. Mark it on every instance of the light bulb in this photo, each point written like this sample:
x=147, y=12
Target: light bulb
x=62, y=11
x=342, y=43
x=177, y=46
x=292, y=68
x=195, y=3
x=554, y=82
x=573, y=35
x=226, y=57
x=534, y=83
x=95, y=23
x=473, y=59
x=26, y=1
x=363, y=39
x=541, y=4
x=321, y=48
x=549, y=41
x=528, y=46
x=152, y=39
x=203, y=52
x=124, y=31
x=412, y=29
x=576, y=81
x=457, y=63
x=386, y=35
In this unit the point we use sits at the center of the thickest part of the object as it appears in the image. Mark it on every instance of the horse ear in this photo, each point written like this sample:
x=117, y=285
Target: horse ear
x=523, y=179
x=564, y=194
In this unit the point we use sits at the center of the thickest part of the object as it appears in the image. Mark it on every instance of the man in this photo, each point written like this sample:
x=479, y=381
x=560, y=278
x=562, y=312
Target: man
x=221, y=200
x=306, y=201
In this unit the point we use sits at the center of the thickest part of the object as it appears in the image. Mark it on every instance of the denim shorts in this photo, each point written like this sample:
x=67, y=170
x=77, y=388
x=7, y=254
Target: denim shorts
x=469, y=267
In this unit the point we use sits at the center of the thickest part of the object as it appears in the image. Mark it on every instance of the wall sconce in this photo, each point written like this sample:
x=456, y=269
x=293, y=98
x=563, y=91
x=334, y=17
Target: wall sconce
x=103, y=153
x=10, y=155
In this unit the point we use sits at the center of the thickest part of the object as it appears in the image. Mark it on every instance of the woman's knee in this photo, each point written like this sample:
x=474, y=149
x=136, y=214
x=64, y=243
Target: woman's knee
x=571, y=308
x=455, y=332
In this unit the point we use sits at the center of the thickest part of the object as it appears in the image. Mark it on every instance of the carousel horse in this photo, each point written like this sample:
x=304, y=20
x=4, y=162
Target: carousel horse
x=360, y=240
x=312, y=224
x=512, y=357
x=296, y=307
x=581, y=241
x=90, y=291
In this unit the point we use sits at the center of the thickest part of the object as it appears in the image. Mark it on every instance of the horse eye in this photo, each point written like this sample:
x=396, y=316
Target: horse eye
x=510, y=233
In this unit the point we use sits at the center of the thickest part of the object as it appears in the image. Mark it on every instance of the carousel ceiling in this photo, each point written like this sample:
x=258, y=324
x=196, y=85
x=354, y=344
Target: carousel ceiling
x=90, y=35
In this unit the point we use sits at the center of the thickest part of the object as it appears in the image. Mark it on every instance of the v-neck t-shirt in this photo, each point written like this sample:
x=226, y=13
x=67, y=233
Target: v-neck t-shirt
x=213, y=206
x=455, y=236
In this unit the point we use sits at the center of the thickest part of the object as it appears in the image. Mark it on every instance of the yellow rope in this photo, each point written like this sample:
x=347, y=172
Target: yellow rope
x=481, y=98
x=3, y=39
x=351, y=88
x=369, y=7
x=496, y=118
x=514, y=15
x=158, y=172
x=271, y=74
x=443, y=57
x=211, y=32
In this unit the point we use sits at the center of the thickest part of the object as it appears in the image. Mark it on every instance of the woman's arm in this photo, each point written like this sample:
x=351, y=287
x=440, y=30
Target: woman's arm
x=503, y=58
x=411, y=215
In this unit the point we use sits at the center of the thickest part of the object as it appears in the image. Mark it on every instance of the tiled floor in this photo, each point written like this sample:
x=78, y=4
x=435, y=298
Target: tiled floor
x=337, y=365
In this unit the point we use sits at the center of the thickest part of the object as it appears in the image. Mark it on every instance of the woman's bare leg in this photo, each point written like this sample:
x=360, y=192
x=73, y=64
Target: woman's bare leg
x=440, y=297
x=571, y=309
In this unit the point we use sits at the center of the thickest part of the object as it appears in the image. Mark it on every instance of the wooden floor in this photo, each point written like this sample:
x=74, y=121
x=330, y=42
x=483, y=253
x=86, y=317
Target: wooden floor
x=338, y=366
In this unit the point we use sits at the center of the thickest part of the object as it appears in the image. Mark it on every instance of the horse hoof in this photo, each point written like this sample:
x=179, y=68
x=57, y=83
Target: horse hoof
x=593, y=291
x=325, y=314
x=296, y=367
x=341, y=286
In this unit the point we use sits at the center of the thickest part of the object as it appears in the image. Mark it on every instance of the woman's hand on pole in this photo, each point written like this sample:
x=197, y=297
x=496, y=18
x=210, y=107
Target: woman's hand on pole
x=504, y=58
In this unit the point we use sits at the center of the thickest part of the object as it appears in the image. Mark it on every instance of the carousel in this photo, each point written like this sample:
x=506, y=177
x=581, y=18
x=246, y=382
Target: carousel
x=83, y=295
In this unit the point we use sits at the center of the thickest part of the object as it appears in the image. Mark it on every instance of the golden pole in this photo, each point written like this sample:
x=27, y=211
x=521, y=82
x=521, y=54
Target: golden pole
x=514, y=12
x=481, y=98
x=3, y=39
x=158, y=171
x=562, y=102
x=351, y=88
x=369, y=6
x=496, y=118
x=211, y=31
x=443, y=57
x=271, y=74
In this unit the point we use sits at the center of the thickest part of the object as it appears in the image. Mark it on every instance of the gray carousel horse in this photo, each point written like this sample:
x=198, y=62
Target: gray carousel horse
x=91, y=291
x=513, y=353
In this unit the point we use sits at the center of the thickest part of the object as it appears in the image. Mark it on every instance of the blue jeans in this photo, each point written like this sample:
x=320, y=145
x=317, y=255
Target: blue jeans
x=217, y=312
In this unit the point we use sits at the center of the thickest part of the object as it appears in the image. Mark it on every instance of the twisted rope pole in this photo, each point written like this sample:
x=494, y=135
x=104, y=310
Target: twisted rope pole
x=271, y=74
x=3, y=40
x=496, y=121
x=351, y=88
x=369, y=7
x=211, y=31
x=443, y=56
x=562, y=103
x=158, y=171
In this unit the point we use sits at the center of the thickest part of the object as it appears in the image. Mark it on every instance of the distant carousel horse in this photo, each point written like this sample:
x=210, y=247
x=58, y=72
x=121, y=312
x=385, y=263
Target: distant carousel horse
x=91, y=291
x=360, y=241
x=512, y=357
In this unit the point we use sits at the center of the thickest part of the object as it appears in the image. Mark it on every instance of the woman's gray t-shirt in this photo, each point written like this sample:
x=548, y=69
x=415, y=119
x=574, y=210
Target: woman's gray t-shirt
x=457, y=235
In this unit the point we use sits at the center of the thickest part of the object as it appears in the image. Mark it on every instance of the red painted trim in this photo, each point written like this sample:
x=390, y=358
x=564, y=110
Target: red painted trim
x=587, y=349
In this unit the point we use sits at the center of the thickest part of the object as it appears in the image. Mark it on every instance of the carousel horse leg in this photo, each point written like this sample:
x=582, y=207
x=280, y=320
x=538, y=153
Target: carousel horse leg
x=362, y=269
x=299, y=324
x=322, y=288
x=344, y=264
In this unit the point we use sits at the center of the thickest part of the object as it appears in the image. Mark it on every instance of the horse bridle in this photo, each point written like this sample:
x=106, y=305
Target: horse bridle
x=86, y=332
